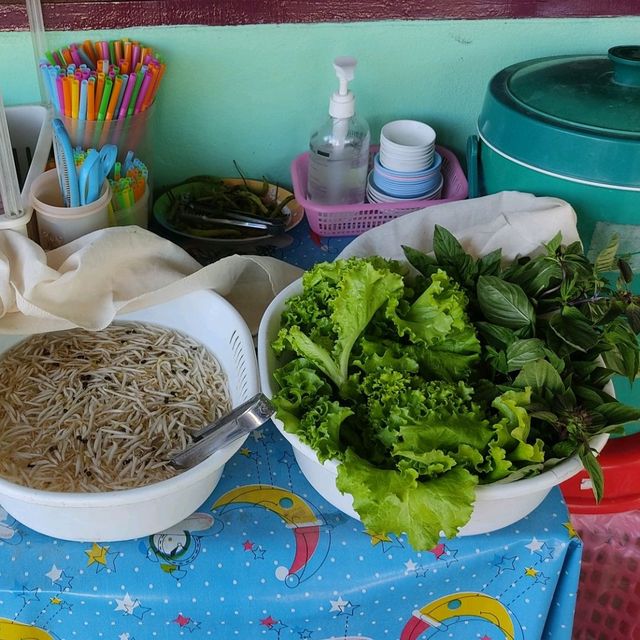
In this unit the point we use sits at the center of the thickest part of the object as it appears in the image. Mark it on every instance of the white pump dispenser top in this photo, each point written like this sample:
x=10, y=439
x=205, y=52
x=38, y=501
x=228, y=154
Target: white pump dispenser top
x=343, y=103
x=339, y=148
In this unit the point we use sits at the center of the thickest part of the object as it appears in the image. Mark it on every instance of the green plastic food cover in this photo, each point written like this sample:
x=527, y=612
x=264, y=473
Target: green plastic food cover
x=576, y=117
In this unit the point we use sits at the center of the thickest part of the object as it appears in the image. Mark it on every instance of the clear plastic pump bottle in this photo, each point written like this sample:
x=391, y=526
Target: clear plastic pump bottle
x=339, y=157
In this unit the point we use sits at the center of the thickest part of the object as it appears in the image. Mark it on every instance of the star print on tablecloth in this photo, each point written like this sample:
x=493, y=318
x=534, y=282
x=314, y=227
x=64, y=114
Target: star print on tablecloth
x=343, y=607
x=186, y=623
x=504, y=563
x=54, y=574
x=304, y=634
x=535, y=545
x=409, y=567
x=181, y=621
x=29, y=595
x=125, y=636
x=278, y=626
x=101, y=557
x=247, y=545
x=131, y=607
x=268, y=621
x=287, y=459
x=531, y=572
x=541, y=578
x=540, y=548
x=56, y=601
x=449, y=556
x=442, y=552
x=385, y=541
x=485, y=637
x=59, y=578
x=258, y=552
x=570, y=530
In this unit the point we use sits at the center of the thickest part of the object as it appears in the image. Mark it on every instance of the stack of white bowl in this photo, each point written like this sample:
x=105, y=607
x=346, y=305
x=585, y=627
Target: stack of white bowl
x=407, y=166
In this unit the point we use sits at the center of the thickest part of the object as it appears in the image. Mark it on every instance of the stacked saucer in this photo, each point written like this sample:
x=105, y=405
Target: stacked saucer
x=407, y=167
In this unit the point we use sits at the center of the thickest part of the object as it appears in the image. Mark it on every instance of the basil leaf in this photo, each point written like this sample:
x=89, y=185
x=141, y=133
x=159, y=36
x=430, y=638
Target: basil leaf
x=452, y=257
x=497, y=359
x=489, y=265
x=590, y=397
x=537, y=275
x=446, y=247
x=592, y=467
x=554, y=244
x=545, y=416
x=600, y=376
x=606, y=259
x=633, y=316
x=549, y=272
x=522, y=351
x=623, y=355
x=556, y=361
x=424, y=263
x=574, y=329
x=574, y=248
x=625, y=270
x=617, y=413
x=540, y=376
x=497, y=336
x=504, y=303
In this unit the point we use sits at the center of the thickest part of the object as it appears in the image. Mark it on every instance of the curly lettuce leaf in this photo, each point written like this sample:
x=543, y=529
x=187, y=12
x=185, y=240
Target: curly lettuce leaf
x=353, y=294
x=392, y=501
x=511, y=453
x=437, y=323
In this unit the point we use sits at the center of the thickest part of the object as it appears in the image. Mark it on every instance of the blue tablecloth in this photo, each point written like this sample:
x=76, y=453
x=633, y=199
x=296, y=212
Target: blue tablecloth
x=267, y=557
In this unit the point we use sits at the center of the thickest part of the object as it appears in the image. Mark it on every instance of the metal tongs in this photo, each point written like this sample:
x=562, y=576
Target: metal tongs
x=195, y=212
x=218, y=434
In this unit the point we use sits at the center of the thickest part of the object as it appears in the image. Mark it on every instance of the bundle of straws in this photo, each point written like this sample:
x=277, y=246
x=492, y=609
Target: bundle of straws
x=102, y=80
x=128, y=182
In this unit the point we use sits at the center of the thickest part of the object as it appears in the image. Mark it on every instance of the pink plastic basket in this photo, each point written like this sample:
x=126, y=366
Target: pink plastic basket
x=609, y=593
x=353, y=219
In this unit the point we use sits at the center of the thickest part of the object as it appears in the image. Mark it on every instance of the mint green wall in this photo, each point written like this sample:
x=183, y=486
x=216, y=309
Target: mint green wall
x=253, y=94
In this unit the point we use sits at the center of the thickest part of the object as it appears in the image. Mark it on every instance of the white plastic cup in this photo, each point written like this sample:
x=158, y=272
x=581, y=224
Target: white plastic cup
x=138, y=214
x=407, y=145
x=407, y=136
x=57, y=224
x=406, y=165
x=21, y=224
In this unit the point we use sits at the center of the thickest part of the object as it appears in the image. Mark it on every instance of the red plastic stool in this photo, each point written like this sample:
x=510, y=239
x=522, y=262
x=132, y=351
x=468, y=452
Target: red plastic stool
x=620, y=462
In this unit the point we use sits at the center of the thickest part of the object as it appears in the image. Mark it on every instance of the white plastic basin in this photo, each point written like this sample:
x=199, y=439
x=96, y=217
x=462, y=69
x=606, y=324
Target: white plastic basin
x=133, y=513
x=497, y=505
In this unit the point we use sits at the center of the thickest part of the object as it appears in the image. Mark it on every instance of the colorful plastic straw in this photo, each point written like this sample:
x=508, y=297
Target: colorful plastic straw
x=126, y=76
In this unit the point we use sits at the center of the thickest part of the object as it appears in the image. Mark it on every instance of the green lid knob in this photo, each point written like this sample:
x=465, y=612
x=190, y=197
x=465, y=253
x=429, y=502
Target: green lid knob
x=626, y=65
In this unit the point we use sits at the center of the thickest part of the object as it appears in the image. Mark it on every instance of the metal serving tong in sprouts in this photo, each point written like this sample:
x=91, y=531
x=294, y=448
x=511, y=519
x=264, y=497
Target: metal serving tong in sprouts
x=242, y=420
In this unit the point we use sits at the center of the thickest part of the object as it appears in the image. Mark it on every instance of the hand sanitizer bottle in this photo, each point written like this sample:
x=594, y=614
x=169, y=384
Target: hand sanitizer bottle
x=339, y=158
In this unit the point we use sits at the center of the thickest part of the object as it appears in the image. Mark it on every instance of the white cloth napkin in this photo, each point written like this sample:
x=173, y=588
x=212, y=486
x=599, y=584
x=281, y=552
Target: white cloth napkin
x=89, y=281
x=516, y=222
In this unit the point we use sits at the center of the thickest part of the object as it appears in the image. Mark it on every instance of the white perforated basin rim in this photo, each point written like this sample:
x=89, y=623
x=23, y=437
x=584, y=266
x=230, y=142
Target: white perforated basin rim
x=497, y=505
x=133, y=513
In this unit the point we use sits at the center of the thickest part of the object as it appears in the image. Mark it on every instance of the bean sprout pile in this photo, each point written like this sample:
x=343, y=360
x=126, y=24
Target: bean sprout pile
x=103, y=411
